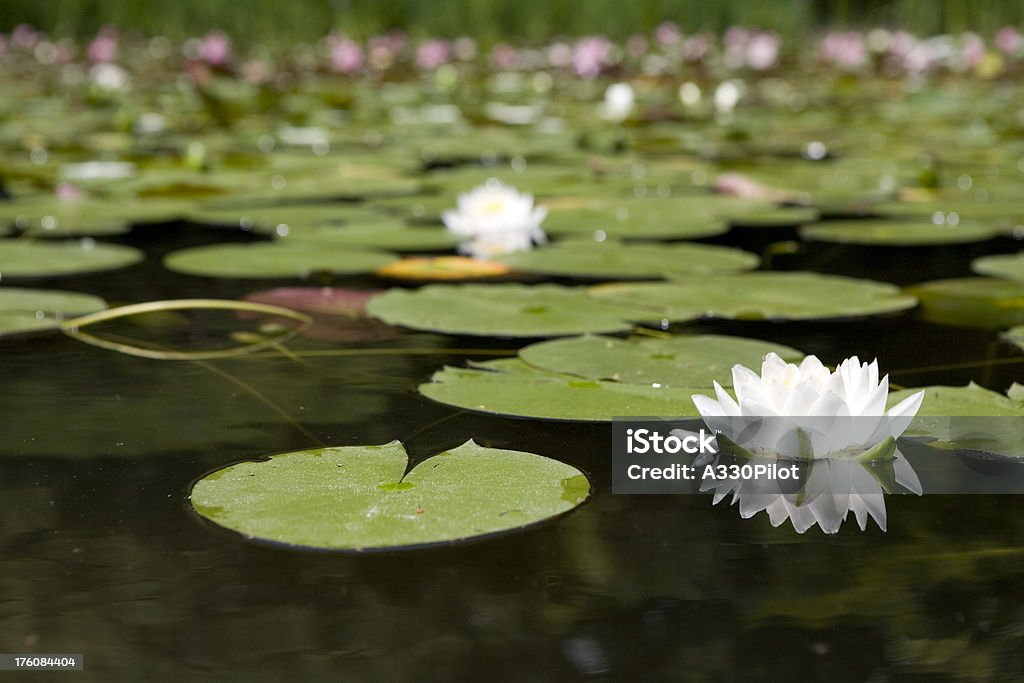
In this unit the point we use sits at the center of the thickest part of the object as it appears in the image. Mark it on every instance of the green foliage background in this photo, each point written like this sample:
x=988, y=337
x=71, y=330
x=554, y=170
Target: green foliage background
x=492, y=20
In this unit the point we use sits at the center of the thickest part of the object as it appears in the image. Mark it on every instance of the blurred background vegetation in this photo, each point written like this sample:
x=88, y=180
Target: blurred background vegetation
x=493, y=20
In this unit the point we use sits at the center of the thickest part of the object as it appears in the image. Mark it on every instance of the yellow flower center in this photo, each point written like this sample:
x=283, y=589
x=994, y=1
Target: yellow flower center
x=494, y=206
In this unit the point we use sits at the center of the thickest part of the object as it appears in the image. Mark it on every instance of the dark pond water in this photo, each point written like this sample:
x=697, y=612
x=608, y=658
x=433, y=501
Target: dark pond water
x=101, y=554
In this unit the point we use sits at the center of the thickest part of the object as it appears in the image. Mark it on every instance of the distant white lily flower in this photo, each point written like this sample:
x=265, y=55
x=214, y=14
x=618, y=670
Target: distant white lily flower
x=109, y=77
x=727, y=96
x=496, y=219
x=619, y=99
x=807, y=411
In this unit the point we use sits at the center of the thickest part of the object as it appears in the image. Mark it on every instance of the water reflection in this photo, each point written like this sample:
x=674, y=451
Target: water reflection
x=824, y=491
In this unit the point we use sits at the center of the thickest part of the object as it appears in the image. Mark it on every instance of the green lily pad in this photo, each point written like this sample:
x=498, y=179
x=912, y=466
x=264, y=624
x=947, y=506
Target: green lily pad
x=895, y=233
x=274, y=260
x=360, y=498
x=266, y=219
x=994, y=431
x=1015, y=336
x=756, y=296
x=686, y=361
x=26, y=258
x=683, y=218
x=31, y=310
x=1010, y=266
x=388, y=234
x=972, y=302
x=579, y=258
x=504, y=310
x=510, y=387
x=50, y=217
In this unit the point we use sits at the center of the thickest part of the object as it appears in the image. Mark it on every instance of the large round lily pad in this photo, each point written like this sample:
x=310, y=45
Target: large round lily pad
x=514, y=388
x=274, y=260
x=756, y=296
x=29, y=310
x=25, y=258
x=578, y=258
x=896, y=233
x=505, y=310
x=361, y=498
x=1010, y=266
x=686, y=361
x=972, y=302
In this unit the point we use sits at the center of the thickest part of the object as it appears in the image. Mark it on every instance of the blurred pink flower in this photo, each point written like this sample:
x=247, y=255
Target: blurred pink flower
x=346, y=54
x=1008, y=40
x=432, y=54
x=66, y=192
x=973, y=49
x=505, y=57
x=695, y=48
x=215, y=48
x=667, y=35
x=845, y=49
x=762, y=51
x=591, y=56
x=103, y=47
x=24, y=36
x=384, y=50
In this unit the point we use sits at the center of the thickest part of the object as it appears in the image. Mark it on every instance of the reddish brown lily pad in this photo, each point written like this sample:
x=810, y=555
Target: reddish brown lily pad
x=338, y=314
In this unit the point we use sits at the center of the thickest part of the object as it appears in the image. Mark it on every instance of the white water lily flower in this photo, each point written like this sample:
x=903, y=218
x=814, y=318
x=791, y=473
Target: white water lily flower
x=496, y=219
x=801, y=411
x=618, y=102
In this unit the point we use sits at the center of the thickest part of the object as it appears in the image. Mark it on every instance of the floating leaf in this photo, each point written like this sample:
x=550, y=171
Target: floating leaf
x=266, y=219
x=1016, y=336
x=972, y=302
x=505, y=310
x=687, y=361
x=442, y=268
x=30, y=310
x=274, y=260
x=361, y=498
x=637, y=218
x=1010, y=266
x=578, y=258
x=21, y=258
x=895, y=233
x=513, y=388
x=756, y=296
x=994, y=430
x=392, y=234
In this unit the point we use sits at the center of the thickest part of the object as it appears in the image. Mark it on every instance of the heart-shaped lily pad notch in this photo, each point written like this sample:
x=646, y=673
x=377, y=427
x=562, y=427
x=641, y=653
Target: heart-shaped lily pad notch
x=889, y=233
x=33, y=310
x=360, y=498
x=19, y=258
x=608, y=260
x=1010, y=266
x=505, y=310
x=274, y=260
x=756, y=296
